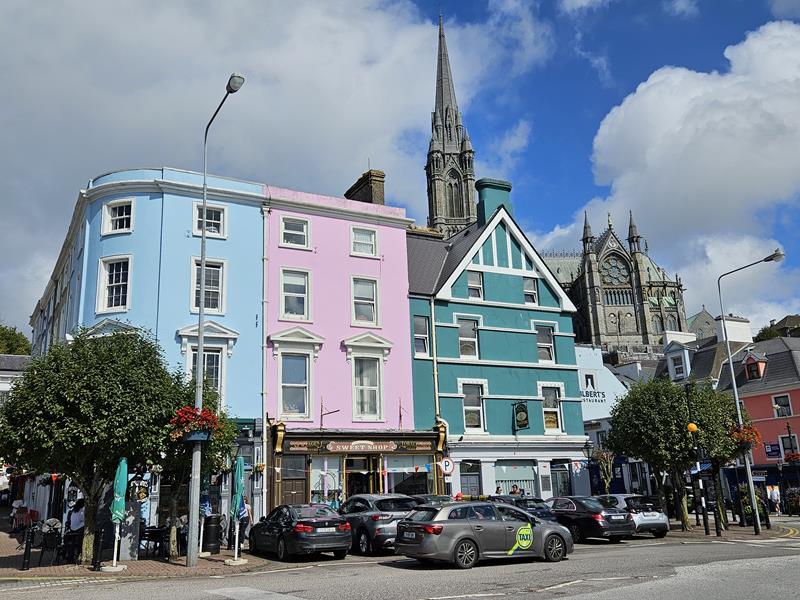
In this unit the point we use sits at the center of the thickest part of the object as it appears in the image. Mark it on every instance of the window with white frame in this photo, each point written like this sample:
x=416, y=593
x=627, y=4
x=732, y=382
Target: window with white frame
x=212, y=358
x=544, y=342
x=368, y=401
x=295, y=295
x=475, y=284
x=551, y=400
x=294, y=232
x=215, y=280
x=216, y=220
x=529, y=289
x=467, y=336
x=118, y=216
x=364, y=242
x=782, y=406
x=677, y=366
x=788, y=444
x=421, y=340
x=114, y=289
x=294, y=401
x=473, y=405
x=365, y=301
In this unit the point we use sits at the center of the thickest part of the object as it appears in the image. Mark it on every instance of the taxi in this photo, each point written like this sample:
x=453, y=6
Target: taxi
x=462, y=533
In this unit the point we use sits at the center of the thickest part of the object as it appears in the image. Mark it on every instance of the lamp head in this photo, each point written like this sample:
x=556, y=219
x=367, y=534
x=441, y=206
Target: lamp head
x=776, y=256
x=588, y=447
x=235, y=82
x=692, y=427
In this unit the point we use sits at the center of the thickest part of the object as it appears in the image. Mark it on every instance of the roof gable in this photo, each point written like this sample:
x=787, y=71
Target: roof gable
x=471, y=251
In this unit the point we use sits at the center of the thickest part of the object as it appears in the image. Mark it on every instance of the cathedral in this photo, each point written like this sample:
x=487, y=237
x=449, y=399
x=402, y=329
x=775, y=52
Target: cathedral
x=625, y=300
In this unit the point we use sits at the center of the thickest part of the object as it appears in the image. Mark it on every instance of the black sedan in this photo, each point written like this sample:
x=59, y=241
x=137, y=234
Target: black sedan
x=585, y=518
x=293, y=529
x=536, y=506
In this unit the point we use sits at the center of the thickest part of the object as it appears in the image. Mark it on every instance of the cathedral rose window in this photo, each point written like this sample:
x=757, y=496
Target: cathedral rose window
x=614, y=271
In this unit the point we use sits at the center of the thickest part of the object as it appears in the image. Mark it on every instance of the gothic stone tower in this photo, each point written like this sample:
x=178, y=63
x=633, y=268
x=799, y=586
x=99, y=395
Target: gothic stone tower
x=625, y=300
x=450, y=167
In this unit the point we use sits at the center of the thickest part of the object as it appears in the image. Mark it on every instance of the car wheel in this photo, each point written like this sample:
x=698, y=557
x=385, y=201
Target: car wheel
x=577, y=534
x=615, y=540
x=251, y=544
x=364, y=543
x=339, y=554
x=554, y=548
x=659, y=534
x=283, y=552
x=465, y=554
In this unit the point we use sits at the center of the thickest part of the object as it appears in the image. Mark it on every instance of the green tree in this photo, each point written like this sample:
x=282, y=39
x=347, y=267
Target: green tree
x=13, y=341
x=85, y=404
x=177, y=463
x=650, y=423
x=766, y=333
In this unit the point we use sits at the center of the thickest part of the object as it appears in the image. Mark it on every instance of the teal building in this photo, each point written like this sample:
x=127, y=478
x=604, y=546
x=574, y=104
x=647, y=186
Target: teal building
x=494, y=355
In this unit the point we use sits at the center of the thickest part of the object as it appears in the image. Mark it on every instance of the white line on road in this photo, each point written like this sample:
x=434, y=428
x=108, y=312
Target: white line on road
x=486, y=595
x=559, y=585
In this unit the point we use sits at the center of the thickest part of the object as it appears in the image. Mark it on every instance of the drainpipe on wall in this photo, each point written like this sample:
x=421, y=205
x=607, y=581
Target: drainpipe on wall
x=265, y=210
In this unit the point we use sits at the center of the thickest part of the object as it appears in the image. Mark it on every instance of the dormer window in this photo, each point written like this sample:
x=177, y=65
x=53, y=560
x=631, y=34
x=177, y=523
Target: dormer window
x=754, y=366
x=752, y=371
x=677, y=367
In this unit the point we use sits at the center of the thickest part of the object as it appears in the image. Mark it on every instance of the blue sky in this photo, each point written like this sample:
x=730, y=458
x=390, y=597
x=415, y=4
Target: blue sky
x=684, y=111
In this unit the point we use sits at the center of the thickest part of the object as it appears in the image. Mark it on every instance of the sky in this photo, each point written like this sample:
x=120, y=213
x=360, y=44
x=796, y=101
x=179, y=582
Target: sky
x=686, y=112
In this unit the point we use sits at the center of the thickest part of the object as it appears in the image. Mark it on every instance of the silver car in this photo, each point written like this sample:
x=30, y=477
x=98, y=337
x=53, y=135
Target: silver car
x=462, y=533
x=373, y=519
x=647, y=517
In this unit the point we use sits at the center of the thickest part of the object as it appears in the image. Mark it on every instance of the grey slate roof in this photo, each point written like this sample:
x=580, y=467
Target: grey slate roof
x=566, y=266
x=783, y=367
x=14, y=362
x=432, y=260
x=707, y=358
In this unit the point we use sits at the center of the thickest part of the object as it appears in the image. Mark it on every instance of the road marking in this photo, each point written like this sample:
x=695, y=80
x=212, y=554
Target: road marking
x=249, y=593
x=559, y=585
x=485, y=595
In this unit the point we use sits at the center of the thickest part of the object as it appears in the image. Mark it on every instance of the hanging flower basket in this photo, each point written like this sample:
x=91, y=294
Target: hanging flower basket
x=792, y=457
x=193, y=425
x=746, y=437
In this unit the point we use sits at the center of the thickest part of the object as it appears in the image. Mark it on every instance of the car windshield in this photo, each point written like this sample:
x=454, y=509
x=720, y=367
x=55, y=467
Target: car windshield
x=531, y=503
x=309, y=512
x=607, y=501
x=592, y=504
x=396, y=504
x=422, y=514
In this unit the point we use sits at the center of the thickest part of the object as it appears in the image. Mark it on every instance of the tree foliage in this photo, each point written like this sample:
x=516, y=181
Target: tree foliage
x=85, y=404
x=766, y=333
x=13, y=341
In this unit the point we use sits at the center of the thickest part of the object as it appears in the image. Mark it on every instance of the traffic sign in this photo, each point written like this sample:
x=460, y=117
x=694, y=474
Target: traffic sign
x=447, y=466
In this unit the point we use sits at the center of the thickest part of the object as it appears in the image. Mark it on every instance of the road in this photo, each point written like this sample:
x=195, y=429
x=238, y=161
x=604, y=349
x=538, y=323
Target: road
x=641, y=568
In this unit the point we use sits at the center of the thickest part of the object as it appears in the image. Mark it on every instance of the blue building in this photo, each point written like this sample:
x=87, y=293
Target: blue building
x=494, y=355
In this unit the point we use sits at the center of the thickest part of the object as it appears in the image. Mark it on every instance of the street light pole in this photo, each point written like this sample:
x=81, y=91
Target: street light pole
x=776, y=256
x=235, y=82
x=692, y=427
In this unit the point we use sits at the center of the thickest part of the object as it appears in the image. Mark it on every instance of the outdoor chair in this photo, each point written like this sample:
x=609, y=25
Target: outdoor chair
x=51, y=542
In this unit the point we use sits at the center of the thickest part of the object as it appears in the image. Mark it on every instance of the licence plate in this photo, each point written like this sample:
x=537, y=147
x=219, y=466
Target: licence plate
x=326, y=529
x=617, y=517
x=651, y=514
x=409, y=535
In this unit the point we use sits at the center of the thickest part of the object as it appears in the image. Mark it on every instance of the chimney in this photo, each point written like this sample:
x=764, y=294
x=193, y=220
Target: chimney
x=368, y=188
x=492, y=193
x=738, y=329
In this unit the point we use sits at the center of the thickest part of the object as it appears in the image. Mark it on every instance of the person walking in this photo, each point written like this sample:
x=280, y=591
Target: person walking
x=775, y=499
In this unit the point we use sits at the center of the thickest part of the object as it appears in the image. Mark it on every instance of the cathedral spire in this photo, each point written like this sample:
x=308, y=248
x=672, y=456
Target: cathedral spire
x=633, y=235
x=588, y=238
x=446, y=104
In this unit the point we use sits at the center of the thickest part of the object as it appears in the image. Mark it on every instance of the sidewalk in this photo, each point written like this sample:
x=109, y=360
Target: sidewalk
x=11, y=562
x=782, y=526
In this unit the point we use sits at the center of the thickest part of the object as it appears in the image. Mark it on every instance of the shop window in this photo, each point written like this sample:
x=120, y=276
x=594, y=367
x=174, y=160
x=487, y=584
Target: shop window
x=293, y=466
x=326, y=482
x=521, y=473
x=409, y=474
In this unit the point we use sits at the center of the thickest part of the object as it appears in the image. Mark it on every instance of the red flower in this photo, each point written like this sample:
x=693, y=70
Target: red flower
x=189, y=418
x=792, y=457
x=747, y=434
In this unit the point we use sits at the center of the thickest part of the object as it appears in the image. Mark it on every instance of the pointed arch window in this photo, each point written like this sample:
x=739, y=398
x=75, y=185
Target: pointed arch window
x=455, y=206
x=672, y=323
x=658, y=325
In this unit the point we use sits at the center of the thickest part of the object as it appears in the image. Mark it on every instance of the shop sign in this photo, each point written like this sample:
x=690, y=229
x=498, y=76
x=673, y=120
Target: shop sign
x=773, y=450
x=358, y=446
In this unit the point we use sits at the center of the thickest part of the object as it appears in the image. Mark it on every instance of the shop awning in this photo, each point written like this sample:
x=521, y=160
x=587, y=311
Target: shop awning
x=704, y=466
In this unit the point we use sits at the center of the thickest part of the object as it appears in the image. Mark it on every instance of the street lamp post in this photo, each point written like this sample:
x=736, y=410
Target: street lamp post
x=792, y=449
x=776, y=256
x=692, y=427
x=235, y=82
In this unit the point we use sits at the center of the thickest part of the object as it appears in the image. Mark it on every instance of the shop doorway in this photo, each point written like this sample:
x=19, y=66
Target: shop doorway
x=561, y=483
x=294, y=491
x=470, y=478
x=357, y=474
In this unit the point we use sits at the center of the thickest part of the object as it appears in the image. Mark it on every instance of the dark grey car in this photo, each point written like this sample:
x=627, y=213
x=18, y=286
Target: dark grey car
x=374, y=517
x=462, y=533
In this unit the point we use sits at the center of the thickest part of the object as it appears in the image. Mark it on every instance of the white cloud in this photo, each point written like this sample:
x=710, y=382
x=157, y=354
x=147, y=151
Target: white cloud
x=100, y=86
x=599, y=62
x=785, y=9
x=682, y=8
x=572, y=7
x=505, y=152
x=704, y=160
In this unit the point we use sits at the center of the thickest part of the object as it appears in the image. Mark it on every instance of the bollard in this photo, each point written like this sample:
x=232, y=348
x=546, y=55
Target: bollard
x=97, y=559
x=26, y=555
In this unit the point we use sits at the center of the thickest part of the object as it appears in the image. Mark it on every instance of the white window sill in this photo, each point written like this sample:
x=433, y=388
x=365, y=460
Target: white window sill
x=116, y=309
x=286, y=319
x=366, y=420
x=207, y=311
x=295, y=247
x=292, y=418
x=359, y=255
x=116, y=232
x=553, y=432
x=362, y=325
x=209, y=236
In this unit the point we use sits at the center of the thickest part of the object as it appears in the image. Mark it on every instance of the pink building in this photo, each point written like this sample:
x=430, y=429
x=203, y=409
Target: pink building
x=337, y=367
